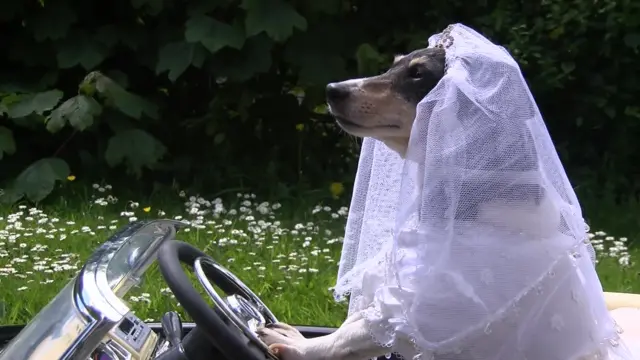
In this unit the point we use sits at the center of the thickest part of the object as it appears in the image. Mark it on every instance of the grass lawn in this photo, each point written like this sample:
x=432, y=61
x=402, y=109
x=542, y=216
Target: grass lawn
x=287, y=253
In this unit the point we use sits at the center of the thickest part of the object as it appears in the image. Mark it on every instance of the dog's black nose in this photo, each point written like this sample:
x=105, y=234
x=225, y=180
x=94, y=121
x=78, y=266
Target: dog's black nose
x=337, y=92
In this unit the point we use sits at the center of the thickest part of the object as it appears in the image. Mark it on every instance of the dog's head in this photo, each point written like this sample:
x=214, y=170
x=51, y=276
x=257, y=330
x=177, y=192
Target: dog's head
x=384, y=106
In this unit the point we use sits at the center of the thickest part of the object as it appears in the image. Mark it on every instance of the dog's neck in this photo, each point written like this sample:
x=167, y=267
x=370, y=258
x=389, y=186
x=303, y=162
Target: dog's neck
x=397, y=144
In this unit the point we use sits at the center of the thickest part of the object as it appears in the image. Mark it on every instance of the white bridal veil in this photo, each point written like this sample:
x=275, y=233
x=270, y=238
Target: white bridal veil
x=473, y=245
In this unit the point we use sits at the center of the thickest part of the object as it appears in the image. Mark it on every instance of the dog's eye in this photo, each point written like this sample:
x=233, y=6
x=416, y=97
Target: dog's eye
x=415, y=72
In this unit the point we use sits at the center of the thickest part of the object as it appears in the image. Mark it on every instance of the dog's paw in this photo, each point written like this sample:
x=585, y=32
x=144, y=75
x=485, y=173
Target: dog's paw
x=283, y=340
x=271, y=336
x=286, y=330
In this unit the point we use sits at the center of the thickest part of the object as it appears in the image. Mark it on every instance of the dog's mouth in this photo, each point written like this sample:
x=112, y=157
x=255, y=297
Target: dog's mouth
x=350, y=124
x=343, y=121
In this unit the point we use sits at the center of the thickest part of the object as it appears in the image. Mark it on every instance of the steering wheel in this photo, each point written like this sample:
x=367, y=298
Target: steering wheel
x=231, y=325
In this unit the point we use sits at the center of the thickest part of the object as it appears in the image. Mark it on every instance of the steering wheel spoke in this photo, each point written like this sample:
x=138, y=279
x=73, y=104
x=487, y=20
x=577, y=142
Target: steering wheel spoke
x=232, y=325
x=245, y=309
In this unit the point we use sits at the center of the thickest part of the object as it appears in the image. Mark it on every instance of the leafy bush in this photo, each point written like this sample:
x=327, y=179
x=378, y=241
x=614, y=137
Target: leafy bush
x=227, y=92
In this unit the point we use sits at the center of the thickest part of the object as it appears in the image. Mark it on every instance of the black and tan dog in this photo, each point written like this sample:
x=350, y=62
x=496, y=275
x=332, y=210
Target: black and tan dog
x=384, y=107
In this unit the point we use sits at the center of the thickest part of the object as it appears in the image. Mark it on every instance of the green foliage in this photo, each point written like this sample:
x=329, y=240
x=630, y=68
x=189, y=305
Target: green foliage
x=230, y=91
x=117, y=97
x=37, y=180
x=213, y=34
x=135, y=146
x=79, y=112
x=7, y=142
x=23, y=105
x=275, y=17
x=177, y=56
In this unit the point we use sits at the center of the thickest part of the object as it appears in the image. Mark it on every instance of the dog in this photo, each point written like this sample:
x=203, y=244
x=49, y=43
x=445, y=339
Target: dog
x=384, y=107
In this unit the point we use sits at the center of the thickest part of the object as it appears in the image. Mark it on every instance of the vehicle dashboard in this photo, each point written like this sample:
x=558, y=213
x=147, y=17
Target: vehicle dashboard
x=88, y=318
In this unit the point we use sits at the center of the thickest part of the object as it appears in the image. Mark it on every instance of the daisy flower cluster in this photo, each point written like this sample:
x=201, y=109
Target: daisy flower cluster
x=288, y=257
x=41, y=248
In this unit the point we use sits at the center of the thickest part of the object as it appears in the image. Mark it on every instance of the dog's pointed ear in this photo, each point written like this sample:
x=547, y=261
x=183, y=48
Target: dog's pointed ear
x=285, y=352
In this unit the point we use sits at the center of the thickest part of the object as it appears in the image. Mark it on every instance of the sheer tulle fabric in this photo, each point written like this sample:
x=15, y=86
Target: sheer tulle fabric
x=473, y=245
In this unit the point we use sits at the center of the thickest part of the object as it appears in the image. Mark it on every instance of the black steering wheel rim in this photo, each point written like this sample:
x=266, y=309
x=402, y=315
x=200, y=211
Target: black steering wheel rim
x=223, y=334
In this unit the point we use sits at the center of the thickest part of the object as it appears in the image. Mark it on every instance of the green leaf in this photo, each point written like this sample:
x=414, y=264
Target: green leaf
x=11, y=9
x=7, y=142
x=80, y=50
x=22, y=48
x=79, y=112
x=26, y=104
x=568, y=67
x=22, y=84
x=329, y=7
x=10, y=196
x=218, y=139
x=136, y=148
x=154, y=6
x=130, y=35
x=119, y=77
x=31, y=122
x=632, y=40
x=177, y=56
x=52, y=22
x=632, y=111
x=369, y=59
x=213, y=34
x=38, y=180
x=132, y=104
x=610, y=111
x=321, y=69
x=203, y=6
x=317, y=60
x=117, y=121
x=119, y=98
x=108, y=35
x=557, y=32
x=275, y=17
x=254, y=58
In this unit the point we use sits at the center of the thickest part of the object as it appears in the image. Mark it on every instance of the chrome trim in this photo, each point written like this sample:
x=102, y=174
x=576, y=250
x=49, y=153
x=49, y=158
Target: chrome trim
x=308, y=331
x=251, y=301
x=51, y=333
x=112, y=353
x=80, y=317
x=114, y=346
x=162, y=347
x=123, y=347
x=245, y=311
